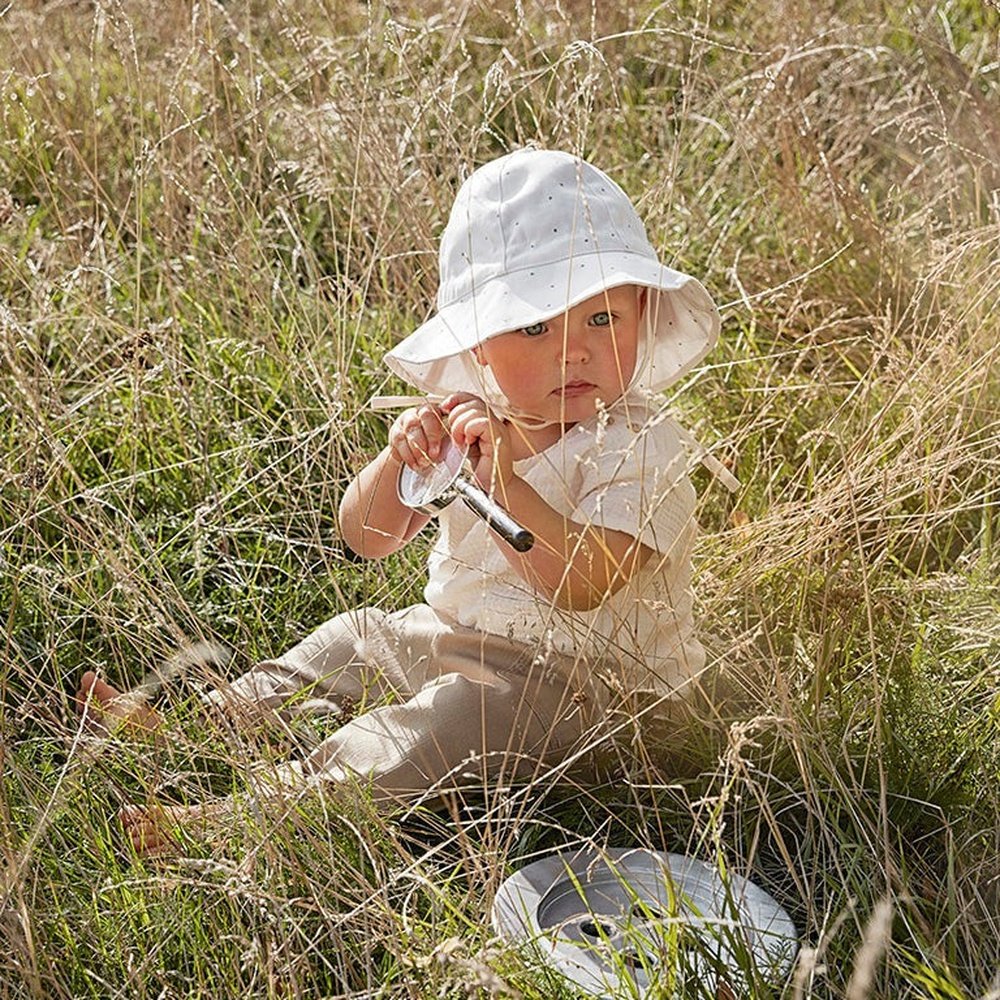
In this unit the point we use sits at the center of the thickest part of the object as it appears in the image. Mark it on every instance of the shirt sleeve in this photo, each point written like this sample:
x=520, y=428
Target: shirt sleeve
x=635, y=480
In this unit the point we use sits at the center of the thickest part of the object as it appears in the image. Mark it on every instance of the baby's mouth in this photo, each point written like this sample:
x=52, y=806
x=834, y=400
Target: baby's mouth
x=575, y=388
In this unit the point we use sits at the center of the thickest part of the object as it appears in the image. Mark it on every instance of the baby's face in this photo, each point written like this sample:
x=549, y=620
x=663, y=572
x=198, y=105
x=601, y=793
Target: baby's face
x=558, y=370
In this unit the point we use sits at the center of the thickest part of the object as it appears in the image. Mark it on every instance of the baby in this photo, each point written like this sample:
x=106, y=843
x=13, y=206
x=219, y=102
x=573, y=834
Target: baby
x=556, y=324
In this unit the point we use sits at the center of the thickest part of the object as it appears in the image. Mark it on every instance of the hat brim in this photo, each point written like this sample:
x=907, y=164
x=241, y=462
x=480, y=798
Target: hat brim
x=434, y=358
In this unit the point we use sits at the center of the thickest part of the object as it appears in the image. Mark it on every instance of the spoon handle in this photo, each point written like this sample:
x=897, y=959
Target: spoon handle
x=494, y=515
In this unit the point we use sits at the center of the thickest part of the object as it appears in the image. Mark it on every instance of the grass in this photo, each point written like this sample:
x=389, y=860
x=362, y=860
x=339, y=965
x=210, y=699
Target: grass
x=214, y=219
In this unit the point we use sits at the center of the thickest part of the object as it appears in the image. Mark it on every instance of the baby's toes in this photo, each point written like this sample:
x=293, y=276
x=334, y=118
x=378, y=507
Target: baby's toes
x=147, y=830
x=85, y=697
x=89, y=708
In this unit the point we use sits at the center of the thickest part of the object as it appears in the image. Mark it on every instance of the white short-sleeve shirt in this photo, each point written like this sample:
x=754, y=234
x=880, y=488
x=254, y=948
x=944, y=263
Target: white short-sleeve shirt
x=626, y=470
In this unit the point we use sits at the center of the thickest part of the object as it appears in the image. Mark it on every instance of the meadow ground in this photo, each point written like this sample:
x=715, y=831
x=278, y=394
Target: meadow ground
x=215, y=217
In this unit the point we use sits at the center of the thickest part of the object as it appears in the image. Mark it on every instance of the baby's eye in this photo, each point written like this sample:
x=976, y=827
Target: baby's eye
x=534, y=330
x=601, y=319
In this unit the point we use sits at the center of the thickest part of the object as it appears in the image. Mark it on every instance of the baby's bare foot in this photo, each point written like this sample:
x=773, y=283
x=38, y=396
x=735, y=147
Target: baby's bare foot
x=151, y=831
x=109, y=711
x=155, y=830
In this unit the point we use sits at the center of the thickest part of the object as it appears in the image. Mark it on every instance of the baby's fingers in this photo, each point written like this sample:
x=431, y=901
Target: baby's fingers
x=411, y=449
x=468, y=427
x=467, y=418
x=450, y=402
x=415, y=437
x=434, y=431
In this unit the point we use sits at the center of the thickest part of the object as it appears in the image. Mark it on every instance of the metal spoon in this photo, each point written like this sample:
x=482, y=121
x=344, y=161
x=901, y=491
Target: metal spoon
x=432, y=489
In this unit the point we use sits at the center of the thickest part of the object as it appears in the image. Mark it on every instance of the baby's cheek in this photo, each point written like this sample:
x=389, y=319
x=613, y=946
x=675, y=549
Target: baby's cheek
x=529, y=383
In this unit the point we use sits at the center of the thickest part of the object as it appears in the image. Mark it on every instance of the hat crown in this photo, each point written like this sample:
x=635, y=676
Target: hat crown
x=531, y=209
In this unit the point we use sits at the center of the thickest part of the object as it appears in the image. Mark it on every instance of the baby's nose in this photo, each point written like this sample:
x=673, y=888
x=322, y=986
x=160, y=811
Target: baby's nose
x=575, y=348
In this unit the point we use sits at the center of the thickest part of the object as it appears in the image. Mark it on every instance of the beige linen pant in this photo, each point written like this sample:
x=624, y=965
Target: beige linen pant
x=455, y=707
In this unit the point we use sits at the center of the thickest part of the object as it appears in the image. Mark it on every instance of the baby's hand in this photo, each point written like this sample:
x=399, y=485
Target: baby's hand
x=487, y=436
x=416, y=435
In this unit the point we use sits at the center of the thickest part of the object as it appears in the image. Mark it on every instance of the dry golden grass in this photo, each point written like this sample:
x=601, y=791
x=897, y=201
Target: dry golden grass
x=215, y=218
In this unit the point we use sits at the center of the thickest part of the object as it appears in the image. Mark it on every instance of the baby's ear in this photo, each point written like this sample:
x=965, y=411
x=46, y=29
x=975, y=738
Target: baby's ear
x=477, y=352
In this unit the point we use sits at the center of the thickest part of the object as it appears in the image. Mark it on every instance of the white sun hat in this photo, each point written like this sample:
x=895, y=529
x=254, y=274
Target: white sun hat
x=530, y=235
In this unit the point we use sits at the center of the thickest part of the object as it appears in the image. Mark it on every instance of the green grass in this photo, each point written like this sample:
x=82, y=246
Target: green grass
x=214, y=219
